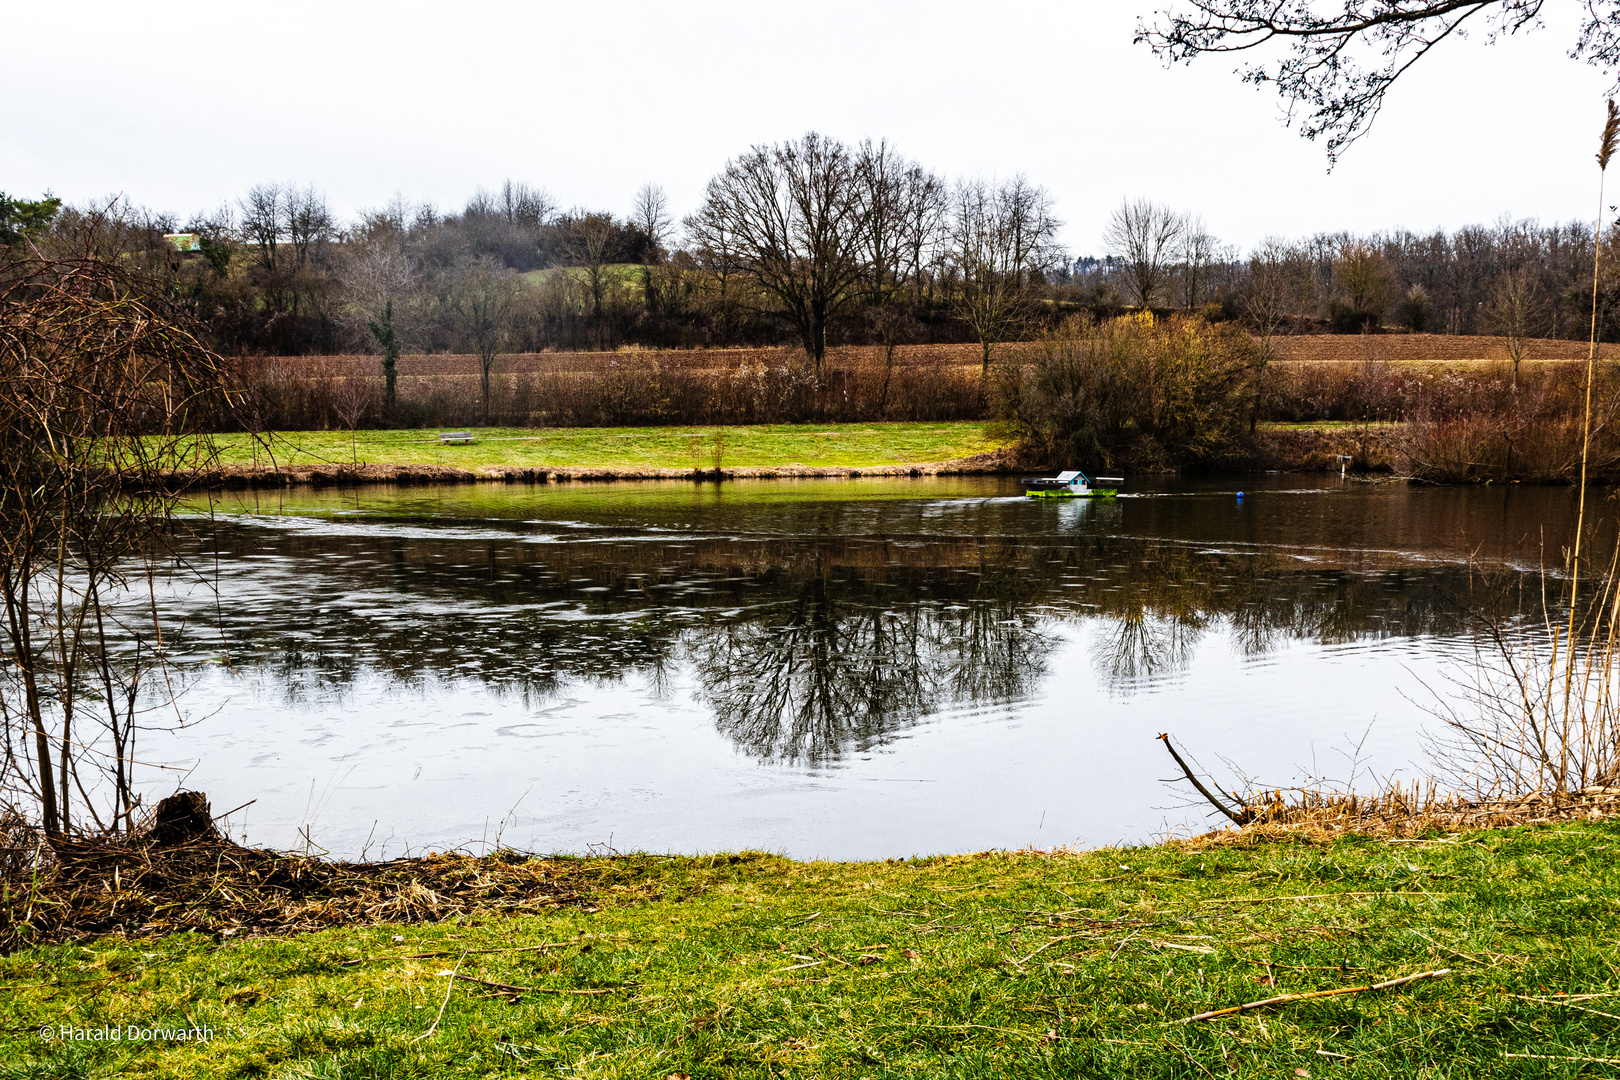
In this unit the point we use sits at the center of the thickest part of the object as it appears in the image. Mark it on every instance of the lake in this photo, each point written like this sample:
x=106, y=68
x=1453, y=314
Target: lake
x=846, y=669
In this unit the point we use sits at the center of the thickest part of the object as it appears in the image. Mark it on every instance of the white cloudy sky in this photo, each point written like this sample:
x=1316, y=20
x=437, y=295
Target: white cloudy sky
x=183, y=105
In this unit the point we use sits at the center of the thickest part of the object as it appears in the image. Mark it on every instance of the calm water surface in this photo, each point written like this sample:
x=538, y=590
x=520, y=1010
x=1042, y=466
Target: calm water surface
x=850, y=669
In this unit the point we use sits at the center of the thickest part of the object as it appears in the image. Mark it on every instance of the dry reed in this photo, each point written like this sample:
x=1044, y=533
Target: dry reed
x=1403, y=811
x=78, y=889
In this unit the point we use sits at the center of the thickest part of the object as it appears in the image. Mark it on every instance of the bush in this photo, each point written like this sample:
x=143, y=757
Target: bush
x=1532, y=433
x=1416, y=311
x=1134, y=391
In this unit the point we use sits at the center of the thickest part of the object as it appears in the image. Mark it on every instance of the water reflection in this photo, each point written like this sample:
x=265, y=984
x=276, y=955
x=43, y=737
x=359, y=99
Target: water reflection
x=805, y=648
x=834, y=667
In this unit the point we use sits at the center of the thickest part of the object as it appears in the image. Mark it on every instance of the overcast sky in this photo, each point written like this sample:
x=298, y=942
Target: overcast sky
x=182, y=106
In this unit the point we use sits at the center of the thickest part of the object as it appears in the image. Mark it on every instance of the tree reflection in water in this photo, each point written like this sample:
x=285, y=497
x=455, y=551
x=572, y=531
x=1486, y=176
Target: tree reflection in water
x=826, y=672
x=805, y=648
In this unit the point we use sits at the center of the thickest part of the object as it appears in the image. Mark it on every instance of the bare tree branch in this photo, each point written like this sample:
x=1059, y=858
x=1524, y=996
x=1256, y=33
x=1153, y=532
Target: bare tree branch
x=1340, y=60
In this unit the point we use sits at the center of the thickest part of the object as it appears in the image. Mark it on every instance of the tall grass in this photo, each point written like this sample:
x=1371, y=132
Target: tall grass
x=1537, y=722
x=1539, y=714
x=1546, y=719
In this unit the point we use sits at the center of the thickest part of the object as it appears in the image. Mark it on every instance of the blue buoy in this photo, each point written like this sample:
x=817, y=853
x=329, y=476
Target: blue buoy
x=1240, y=494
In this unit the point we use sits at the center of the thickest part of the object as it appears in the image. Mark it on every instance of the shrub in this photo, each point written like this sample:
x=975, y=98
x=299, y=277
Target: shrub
x=1416, y=309
x=1529, y=433
x=1134, y=391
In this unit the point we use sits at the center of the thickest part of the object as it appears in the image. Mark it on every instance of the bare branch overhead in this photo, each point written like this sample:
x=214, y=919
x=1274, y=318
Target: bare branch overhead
x=1339, y=60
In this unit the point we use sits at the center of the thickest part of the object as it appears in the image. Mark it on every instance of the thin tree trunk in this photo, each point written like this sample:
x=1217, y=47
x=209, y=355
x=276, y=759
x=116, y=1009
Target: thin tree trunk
x=22, y=640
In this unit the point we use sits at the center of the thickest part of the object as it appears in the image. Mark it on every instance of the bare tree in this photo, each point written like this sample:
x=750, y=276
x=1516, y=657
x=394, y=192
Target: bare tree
x=263, y=223
x=525, y=206
x=590, y=243
x=482, y=296
x=507, y=223
x=307, y=221
x=1517, y=309
x=650, y=217
x=892, y=326
x=1000, y=237
x=1026, y=210
x=904, y=205
x=714, y=250
x=791, y=216
x=1146, y=237
x=1339, y=65
x=282, y=218
x=1361, y=275
x=392, y=220
x=351, y=403
x=378, y=273
x=1268, y=297
x=1199, y=253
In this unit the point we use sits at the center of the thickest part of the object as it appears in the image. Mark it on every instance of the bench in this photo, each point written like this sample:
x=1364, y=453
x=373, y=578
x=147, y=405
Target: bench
x=456, y=437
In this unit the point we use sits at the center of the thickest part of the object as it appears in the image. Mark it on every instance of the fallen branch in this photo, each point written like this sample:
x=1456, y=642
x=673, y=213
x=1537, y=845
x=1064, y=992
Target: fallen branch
x=1561, y=1057
x=1311, y=896
x=1286, y=999
x=1123, y=941
x=508, y=988
x=470, y=952
x=1239, y=817
x=1567, y=1005
x=1043, y=948
x=440, y=1014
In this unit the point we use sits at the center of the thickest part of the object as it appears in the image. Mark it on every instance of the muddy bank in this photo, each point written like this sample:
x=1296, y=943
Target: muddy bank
x=247, y=476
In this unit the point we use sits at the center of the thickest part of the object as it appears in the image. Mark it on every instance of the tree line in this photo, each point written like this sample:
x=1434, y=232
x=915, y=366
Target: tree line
x=809, y=243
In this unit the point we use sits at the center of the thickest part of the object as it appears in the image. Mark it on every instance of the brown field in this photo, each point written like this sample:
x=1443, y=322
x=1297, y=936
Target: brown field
x=1311, y=348
x=1424, y=349
x=441, y=364
x=1347, y=377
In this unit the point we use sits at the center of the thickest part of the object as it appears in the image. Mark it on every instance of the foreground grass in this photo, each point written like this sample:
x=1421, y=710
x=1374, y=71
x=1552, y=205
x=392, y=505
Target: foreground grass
x=969, y=966
x=765, y=445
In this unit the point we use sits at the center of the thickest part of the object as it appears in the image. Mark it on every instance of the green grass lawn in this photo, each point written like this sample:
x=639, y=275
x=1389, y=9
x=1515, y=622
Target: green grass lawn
x=826, y=445
x=970, y=966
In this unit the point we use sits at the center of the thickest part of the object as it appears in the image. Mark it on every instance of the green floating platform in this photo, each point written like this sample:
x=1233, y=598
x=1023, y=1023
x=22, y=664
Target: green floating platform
x=1068, y=493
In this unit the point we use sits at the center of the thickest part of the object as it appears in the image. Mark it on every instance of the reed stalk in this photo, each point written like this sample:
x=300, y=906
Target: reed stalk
x=1541, y=718
x=1606, y=147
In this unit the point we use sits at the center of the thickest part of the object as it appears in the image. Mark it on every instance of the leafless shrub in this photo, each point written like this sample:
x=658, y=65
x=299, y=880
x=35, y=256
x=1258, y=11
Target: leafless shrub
x=352, y=402
x=1537, y=712
x=101, y=395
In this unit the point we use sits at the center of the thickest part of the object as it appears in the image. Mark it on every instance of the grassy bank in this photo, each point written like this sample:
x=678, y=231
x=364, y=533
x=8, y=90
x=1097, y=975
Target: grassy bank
x=967, y=966
x=761, y=446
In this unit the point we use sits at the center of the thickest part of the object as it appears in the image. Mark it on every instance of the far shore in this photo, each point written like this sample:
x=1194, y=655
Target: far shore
x=989, y=464
x=563, y=455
